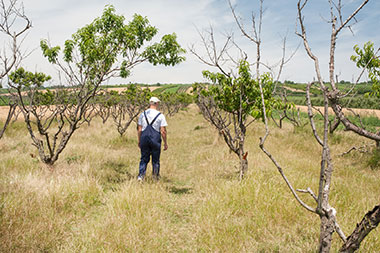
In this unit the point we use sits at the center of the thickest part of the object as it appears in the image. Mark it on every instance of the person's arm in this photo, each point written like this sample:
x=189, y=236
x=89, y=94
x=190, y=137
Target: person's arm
x=139, y=131
x=163, y=134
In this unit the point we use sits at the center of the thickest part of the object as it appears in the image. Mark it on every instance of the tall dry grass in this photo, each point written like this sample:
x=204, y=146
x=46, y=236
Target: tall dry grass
x=91, y=201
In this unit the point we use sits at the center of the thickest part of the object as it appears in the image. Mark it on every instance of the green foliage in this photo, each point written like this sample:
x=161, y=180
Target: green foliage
x=241, y=95
x=366, y=58
x=44, y=98
x=136, y=96
x=171, y=103
x=133, y=95
x=167, y=52
x=23, y=78
x=176, y=98
x=51, y=53
x=100, y=43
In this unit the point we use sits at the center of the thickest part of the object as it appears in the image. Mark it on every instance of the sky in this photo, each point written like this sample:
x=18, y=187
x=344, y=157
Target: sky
x=57, y=20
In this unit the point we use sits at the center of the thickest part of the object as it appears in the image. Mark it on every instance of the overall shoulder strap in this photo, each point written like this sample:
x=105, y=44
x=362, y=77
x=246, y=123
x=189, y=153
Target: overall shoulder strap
x=151, y=123
x=146, y=118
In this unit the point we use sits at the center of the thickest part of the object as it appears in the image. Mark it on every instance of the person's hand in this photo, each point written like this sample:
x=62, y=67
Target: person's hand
x=165, y=146
x=139, y=144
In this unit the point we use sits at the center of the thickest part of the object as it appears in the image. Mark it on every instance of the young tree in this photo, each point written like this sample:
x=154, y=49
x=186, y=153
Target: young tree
x=232, y=104
x=13, y=26
x=102, y=104
x=171, y=103
x=127, y=105
x=103, y=49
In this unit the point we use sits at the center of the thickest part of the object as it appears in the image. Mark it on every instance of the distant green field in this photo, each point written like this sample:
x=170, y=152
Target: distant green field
x=172, y=88
x=296, y=93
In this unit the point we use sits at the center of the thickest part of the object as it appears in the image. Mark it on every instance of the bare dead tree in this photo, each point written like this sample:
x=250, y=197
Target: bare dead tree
x=326, y=213
x=333, y=95
x=333, y=124
x=13, y=25
x=214, y=57
x=127, y=106
x=369, y=222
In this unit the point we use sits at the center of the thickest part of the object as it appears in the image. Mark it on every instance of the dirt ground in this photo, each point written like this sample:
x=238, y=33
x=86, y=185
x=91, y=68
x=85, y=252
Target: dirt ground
x=364, y=112
x=4, y=109
x=152, y=88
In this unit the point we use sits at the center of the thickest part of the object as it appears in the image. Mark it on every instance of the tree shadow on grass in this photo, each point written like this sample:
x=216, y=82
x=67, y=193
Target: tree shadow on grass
x=112, y=174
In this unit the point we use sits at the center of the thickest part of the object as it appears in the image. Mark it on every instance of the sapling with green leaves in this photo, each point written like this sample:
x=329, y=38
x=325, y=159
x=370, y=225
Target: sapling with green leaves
x=102, y=104
x=107, y=47
x=172, y=103
x=232, y=104
x=233, y=101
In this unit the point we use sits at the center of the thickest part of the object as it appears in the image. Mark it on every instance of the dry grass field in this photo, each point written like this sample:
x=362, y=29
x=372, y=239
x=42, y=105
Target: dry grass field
x=92, y=202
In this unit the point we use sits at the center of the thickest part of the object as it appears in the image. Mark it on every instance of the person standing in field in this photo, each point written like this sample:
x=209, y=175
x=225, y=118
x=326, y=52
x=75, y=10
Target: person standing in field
x=151, y=127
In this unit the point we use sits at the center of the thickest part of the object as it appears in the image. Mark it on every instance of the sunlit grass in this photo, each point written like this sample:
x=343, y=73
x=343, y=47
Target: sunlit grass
x=92, y=202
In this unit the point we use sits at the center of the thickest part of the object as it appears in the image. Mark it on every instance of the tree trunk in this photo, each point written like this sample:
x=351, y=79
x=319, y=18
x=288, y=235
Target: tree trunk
x=243, y=164
x=368, y=223
x=333, y=125
x=326, y=232
x=11, y=111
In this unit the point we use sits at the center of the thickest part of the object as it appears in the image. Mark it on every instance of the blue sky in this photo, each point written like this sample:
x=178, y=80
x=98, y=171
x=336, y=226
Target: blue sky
x=58, y=19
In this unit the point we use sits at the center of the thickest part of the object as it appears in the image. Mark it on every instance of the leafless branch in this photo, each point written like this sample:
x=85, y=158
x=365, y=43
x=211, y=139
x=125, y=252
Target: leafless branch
x=214, y=56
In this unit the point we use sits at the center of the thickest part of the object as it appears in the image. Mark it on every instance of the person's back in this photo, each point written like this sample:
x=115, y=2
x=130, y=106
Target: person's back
x=151, y=114
x=150, y=135
x=151, y=127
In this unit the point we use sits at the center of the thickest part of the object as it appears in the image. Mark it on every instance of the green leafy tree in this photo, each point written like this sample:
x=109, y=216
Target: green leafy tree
x=105, y=48
x=172, y=103
x=102, y=104
x=232, y=104
x=367, y=58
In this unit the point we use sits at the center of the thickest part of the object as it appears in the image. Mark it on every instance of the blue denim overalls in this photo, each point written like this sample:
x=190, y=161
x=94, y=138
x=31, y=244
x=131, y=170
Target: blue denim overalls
x=150, y=145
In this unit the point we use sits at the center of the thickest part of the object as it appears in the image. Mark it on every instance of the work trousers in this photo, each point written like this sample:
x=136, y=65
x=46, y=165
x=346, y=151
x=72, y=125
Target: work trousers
x=150, y=146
